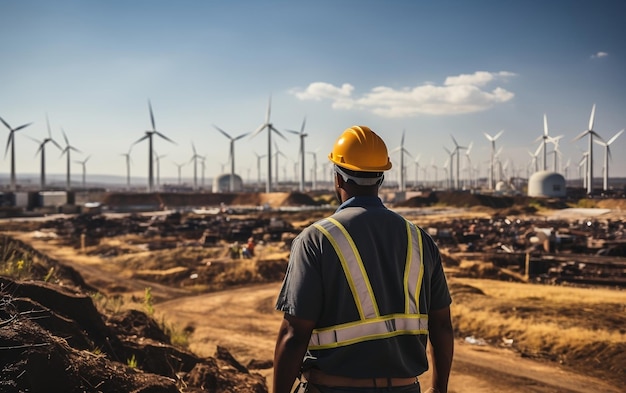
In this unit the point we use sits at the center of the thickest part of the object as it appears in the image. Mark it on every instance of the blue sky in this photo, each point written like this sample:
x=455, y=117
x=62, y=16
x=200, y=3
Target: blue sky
x=431, y=69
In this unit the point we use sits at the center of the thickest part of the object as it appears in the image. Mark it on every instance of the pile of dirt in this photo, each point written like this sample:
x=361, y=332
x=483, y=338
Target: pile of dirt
x=119, y=200
x=53, y=336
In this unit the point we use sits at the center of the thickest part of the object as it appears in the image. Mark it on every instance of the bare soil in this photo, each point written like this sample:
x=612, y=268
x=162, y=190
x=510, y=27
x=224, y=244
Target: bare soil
x=240, y=316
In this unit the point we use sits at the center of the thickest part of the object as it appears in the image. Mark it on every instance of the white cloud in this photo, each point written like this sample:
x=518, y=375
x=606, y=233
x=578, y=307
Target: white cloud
x=599, y=55
x=459, y=94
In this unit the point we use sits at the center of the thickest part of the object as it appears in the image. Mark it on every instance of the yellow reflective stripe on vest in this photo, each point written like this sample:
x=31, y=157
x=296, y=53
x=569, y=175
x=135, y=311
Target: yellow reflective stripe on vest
x=371, y=329
x=414, y=269
x=352, y=265
x=371, y=325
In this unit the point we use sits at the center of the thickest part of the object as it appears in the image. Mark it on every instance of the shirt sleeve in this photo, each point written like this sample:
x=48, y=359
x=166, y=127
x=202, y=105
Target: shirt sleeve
x=301, y=294
x=439, y=291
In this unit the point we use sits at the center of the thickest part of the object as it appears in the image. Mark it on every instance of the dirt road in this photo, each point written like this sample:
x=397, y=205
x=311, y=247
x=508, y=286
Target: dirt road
x=243, y=320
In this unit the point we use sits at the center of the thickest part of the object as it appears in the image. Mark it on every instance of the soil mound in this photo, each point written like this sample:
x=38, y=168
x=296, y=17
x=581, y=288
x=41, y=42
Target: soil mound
x=53, y=336
x=155, y=201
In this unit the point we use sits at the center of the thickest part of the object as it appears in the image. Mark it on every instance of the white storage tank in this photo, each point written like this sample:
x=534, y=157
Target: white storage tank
x=547, y=184
x=222, y=183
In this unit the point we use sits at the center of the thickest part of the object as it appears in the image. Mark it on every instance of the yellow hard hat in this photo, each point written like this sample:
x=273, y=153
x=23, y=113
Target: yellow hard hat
x=360, y=149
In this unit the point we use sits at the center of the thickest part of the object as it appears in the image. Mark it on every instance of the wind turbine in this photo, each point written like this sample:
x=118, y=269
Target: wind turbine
x=457, y=150
x=277, y=154
x=195, y=157
x=128, y=162
x=258, y=167
x=314, y=171
x=83, y=163
x=231, y=155
x=417, y=168
x=148, y=136
x=42, y=151
x=557, y=153
x=402, y=151
x=11, y=142
x=545, y=138
x=66, y=151
x=157, y=158
x=302, y=135
x=469, y=163
x=591, y=134
x=492, y=139
x=451, y=159
x=270, y=127
x=179, y=168
x=607, y=156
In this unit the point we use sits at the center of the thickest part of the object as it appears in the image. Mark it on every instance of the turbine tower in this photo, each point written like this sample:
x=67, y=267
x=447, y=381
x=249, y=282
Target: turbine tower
x=42, y=150
x=302, y=135
x=258, y=167
x=450, y=160
x=607, y=156
x=417, y=168
x=83, y=163
x=314, y=171
x=589, y=131
x=195, y=157
x=402, y=151
x=492, y=139
x=66, y=150
x=11, y=142
x=270, y=128
x=128, y=162
x=148, y=136
x=157, y=158
x=231, y=155
x=457, y=150
x=179, y=168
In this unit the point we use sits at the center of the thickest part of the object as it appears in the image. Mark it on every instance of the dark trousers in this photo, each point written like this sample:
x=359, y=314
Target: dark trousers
x=312, y=388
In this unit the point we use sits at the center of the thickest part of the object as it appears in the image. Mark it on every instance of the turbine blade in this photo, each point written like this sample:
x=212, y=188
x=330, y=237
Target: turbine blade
x=303, y=124
x=240, y=136
x=580, y=136
x=20, y=127
x=454, y=140
x=545, y=125
x=5, y=124
x=258, y=130
x=614, y=137
x=498, y=135
x=151, y=116
x=278, y=132
x=489, y=137
x=593, y=114
x=164, y=137
x=269, y=109
x=223, y=132
x=65, y=137
x=140, y=139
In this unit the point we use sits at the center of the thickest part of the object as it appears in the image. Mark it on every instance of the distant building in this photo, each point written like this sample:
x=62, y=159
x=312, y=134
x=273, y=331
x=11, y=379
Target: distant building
x=547, y=184
x=222, y=183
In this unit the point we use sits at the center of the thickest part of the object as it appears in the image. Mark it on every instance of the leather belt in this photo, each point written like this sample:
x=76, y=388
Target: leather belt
x=319, y=377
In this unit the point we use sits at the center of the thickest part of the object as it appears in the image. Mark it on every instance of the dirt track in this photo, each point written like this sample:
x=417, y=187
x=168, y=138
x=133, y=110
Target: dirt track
x=244, y=321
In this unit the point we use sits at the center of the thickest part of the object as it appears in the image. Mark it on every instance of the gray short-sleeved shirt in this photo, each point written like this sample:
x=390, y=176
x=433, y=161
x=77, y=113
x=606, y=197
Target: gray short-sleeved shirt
x=315, y=288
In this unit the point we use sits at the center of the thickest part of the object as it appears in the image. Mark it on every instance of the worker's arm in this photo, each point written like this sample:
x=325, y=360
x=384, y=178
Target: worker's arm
x=291, y=344
x=441, y=337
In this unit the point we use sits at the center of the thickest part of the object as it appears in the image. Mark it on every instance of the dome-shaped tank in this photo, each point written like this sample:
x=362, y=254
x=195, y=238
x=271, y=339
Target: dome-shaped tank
x=222, y=183
x=547, y=184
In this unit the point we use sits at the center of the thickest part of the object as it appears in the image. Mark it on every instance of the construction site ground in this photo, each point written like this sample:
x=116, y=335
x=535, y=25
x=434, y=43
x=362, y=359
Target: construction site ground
x=239, y=314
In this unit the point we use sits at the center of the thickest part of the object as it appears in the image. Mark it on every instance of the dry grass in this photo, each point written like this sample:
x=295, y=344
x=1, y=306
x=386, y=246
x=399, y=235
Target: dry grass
x=579, y=327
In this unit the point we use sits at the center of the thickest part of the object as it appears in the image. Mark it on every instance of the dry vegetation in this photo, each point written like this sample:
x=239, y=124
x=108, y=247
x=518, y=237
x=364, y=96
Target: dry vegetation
x=583, y=328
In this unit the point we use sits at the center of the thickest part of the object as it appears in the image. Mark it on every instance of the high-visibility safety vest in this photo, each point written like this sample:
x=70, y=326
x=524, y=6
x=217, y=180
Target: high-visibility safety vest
x=371, y=325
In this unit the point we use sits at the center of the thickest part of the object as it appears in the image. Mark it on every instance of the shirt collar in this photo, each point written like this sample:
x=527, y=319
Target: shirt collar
x=361, y=201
